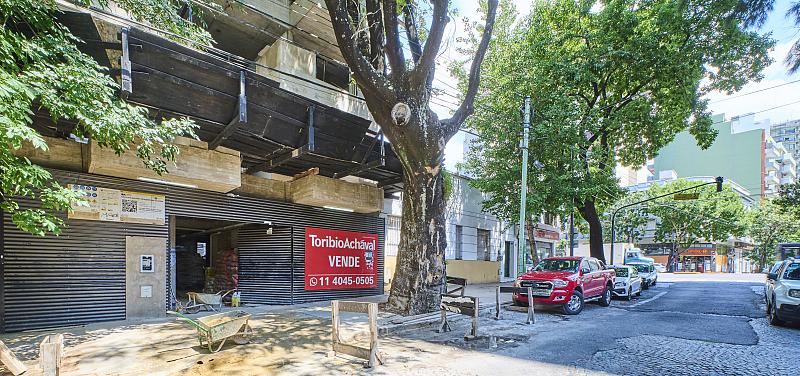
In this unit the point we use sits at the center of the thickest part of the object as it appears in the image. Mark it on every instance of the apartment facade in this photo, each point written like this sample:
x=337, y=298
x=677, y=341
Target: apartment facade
x=743, y=151
x=288, y=169
x=788, y=133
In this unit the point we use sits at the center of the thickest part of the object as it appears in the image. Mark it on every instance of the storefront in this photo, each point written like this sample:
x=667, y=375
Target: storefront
x=119, y=259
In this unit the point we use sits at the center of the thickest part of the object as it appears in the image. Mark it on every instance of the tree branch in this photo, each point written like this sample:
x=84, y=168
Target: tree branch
x=376, y=38
x=394, y=50
x=466, y=108
x=369, y=79
x=423, y=71
x=410, y=20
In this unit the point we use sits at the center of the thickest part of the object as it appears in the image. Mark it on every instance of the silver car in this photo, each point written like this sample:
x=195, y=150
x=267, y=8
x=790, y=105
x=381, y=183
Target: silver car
x=627, y=281
x=648, y=273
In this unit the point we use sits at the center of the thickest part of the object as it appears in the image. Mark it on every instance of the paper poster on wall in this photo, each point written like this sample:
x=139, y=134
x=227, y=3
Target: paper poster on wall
x=340, y=260
x=105, y=204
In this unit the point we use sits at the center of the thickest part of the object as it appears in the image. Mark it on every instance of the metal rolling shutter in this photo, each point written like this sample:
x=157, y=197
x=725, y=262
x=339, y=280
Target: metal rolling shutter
x=265, y=265
x=75, y=278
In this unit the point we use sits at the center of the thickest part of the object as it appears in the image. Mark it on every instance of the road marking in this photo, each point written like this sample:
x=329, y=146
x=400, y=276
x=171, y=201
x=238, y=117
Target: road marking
x=649, y=300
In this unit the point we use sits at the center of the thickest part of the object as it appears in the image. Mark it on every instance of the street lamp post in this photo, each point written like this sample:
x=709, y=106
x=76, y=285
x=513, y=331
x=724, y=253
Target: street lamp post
x=526, y=125
x=718, y=181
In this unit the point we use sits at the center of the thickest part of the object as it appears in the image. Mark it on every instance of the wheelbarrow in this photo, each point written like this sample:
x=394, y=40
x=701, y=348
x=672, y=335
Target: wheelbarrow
x=219, y=327
x=205, y=301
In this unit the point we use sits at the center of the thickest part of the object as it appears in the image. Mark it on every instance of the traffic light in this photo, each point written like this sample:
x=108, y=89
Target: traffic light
x=719, y=183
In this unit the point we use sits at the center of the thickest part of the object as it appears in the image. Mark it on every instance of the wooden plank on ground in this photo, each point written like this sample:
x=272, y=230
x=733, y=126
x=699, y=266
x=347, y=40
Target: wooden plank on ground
x=11, y=361
x=358, y=352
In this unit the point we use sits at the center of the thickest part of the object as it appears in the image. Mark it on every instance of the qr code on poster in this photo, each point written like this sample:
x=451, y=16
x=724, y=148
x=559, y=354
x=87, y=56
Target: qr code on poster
x=129, y=206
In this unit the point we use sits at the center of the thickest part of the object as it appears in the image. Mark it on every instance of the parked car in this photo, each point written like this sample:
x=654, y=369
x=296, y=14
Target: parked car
x=660, y=267
x=569, y=282
x=648, y=273
x=783, y=292
x=627, y=282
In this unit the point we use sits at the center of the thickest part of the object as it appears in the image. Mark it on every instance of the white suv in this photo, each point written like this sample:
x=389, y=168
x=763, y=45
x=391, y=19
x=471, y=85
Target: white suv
x=783, y=292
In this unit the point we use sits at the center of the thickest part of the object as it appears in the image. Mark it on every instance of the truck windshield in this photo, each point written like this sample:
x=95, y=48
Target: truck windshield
x=792, y=271
x=621, y=272
x=557, y=266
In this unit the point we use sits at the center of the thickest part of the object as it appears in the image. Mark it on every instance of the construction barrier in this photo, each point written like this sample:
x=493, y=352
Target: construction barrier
x=371, y=309
x=516, y=290
x=463, y=305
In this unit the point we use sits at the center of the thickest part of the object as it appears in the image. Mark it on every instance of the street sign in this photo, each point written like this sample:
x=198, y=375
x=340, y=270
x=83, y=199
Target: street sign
x=686, y=196
x=340, y=260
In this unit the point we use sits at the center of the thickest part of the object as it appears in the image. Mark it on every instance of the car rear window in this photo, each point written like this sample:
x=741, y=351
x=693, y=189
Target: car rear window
x=792, y=271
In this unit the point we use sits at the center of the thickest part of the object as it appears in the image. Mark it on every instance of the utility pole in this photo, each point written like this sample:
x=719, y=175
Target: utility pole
x=572, y=233
x=526, y=125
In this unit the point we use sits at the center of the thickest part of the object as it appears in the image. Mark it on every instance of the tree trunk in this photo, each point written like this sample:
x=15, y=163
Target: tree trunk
x=530, y=233
x=589, y=213
x=419, y=277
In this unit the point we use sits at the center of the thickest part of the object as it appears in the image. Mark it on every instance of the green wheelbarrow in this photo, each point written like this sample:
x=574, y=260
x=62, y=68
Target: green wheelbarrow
x=220, y=327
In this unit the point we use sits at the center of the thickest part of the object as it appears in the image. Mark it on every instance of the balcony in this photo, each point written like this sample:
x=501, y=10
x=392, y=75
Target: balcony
x=772, y=180
x=789, y=170
x=773, y=165
x=788, y=180
x=771, y=151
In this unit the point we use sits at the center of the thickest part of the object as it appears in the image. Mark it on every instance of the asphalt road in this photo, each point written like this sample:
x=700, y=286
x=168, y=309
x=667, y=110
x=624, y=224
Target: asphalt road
x=679, y=328
x=692, y=328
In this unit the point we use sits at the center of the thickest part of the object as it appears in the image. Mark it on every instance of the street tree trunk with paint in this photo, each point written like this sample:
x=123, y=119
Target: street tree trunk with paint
x=398, y=92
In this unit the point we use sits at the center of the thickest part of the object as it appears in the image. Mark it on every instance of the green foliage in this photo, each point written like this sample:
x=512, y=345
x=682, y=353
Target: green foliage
x=714, y=216
x=41, y=67
x=793, y=59
x=608, y=86
x=630, y=222
x=789, y=199
x=768, y=225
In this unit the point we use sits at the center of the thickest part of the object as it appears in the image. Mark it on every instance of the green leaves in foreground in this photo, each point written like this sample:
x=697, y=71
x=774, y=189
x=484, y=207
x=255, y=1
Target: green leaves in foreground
x=41, y=68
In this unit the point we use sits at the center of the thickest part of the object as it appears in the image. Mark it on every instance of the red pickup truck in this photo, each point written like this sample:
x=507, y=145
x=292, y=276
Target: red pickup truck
x=569, y=282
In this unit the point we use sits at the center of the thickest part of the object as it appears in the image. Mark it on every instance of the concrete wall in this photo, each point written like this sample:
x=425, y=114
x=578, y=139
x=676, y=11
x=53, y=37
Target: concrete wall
x=619, y=251
x=136, y=305
x=298, y=61
x=214, y=170
x=62, y=154
x=474, y=271
x=737, y=157
x=319, y=190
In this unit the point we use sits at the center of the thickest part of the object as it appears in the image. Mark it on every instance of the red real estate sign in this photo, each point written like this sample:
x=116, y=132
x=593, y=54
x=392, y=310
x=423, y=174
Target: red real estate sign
x=340, y=260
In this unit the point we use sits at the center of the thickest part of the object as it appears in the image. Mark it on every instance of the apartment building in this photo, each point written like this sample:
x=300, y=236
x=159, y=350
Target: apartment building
x=288, y=169
x=788, y=133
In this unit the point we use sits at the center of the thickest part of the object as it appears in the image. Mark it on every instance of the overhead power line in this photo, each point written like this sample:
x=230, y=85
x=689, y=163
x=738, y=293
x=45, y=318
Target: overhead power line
x=755, y=91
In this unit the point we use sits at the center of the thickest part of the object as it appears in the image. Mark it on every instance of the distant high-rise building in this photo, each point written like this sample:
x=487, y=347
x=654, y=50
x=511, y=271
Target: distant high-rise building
x=743, y=152
x=788, y=133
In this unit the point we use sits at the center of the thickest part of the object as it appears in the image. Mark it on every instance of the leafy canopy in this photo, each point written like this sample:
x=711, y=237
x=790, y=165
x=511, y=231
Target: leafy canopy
x=713, y=216
x=611, y=82
x=768, y=225
x=42, y=72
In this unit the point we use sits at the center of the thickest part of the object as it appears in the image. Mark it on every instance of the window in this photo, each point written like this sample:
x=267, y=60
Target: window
x=593, y=265
x=459, y=242
x=792, y=271
x=392, y=235
x=483, y=245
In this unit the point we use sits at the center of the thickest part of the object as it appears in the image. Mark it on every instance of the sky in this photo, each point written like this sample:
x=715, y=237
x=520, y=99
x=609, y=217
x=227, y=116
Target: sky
x=782, y=29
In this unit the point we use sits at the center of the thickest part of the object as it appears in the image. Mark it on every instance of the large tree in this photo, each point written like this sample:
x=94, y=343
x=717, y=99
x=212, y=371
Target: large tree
x=712, y=216
x=43, y=71
x=768, y=225
x=611, y=83
x=398, y=92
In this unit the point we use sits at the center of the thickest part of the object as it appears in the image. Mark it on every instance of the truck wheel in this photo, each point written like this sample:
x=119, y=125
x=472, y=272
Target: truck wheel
x=575, y=304
x=605, y=301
